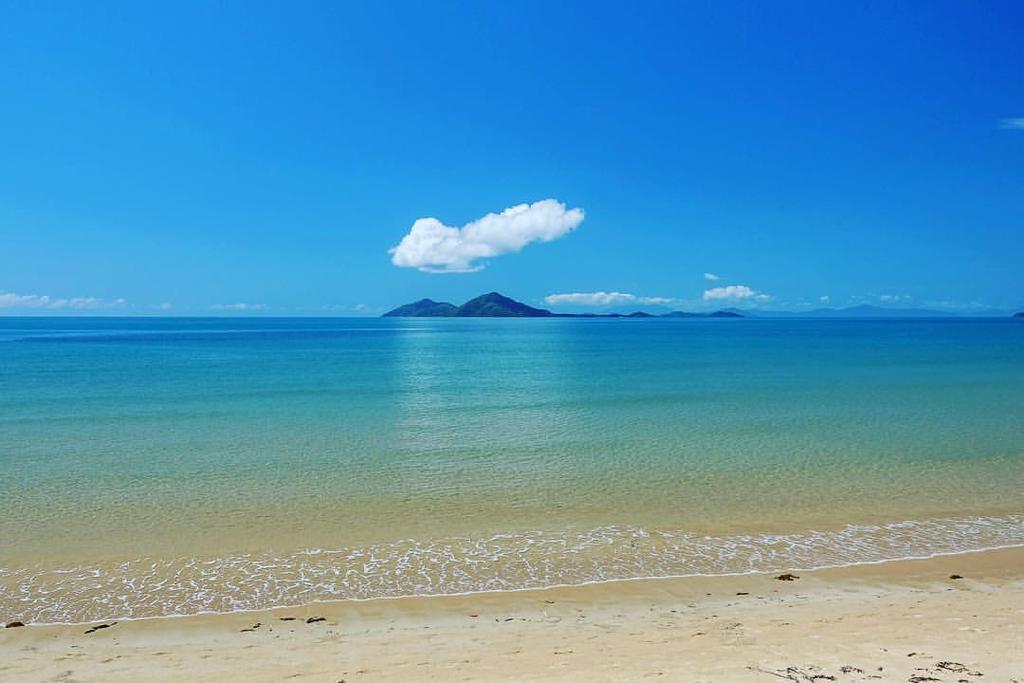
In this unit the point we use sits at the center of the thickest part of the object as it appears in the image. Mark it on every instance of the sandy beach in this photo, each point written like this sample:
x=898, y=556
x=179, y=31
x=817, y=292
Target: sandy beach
x=900, y=621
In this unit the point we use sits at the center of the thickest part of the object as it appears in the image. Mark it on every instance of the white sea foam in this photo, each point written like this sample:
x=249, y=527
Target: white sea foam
x=150, y=587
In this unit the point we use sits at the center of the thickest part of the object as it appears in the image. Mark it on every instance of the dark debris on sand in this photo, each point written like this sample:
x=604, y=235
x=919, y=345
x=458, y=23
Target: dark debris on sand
x=936, y=673
x=809, y=674
x=957, y=668
x=99, y=627
x=786, y=577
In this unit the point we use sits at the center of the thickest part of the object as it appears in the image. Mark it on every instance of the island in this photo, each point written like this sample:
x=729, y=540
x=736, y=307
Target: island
x=424, y=308
x=495, y=305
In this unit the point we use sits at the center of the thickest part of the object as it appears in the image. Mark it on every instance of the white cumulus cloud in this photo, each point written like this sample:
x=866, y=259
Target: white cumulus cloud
x=1016, y=123
x=604, y=299
x=894, y=298
x=824, y=299
x=40, y=302
x=590, y=298
x=432, y=246
x=711, y=276
x=734, y=292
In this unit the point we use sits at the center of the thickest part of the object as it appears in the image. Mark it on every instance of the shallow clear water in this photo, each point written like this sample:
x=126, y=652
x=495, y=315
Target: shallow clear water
x=159, y=466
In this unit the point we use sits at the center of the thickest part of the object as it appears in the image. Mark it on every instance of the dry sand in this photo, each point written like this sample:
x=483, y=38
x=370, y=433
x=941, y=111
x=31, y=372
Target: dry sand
x=901, y=621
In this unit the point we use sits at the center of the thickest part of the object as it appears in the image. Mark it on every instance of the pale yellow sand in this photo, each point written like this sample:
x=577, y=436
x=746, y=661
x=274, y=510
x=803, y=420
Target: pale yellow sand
x=902, y=621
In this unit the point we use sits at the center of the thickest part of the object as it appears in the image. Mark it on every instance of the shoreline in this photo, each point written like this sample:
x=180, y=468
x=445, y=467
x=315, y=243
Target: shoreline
x=197, y=584
x=539, y=589
x=748, y=624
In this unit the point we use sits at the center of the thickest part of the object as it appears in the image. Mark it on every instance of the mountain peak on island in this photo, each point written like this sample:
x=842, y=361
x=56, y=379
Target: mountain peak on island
x=495, y=305
x=490, y=305
x=424, y=308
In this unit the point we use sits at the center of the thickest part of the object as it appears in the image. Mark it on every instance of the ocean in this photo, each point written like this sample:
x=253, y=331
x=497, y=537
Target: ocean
x=164, y=466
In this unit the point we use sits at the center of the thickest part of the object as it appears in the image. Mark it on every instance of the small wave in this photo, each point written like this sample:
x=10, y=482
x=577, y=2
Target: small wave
x=151, y=587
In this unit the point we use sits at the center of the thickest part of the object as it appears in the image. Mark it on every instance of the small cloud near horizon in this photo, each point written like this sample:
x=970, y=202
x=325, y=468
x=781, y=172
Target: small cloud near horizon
x=238, y=308
x=711, y=276
x=1014, y=123
x=825, y=298
x=44, y=301
x=894, y=298
x=604, y=299
x=735, y=292
x=433, y=247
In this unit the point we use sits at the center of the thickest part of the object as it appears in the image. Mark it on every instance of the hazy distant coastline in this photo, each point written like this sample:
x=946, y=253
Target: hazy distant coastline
x=495, y=305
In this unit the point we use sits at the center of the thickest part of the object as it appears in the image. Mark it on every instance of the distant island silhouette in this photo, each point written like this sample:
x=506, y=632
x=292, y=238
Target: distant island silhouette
x=495, y=305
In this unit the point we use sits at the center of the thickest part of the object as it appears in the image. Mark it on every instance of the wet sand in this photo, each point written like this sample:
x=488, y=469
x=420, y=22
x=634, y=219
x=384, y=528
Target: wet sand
x=900, y=621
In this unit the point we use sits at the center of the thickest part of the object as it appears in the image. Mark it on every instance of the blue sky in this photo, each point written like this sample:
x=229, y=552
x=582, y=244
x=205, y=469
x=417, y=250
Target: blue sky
x=194, y=157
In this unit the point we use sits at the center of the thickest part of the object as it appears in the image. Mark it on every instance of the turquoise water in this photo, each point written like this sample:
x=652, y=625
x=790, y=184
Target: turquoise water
x=164, y=466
